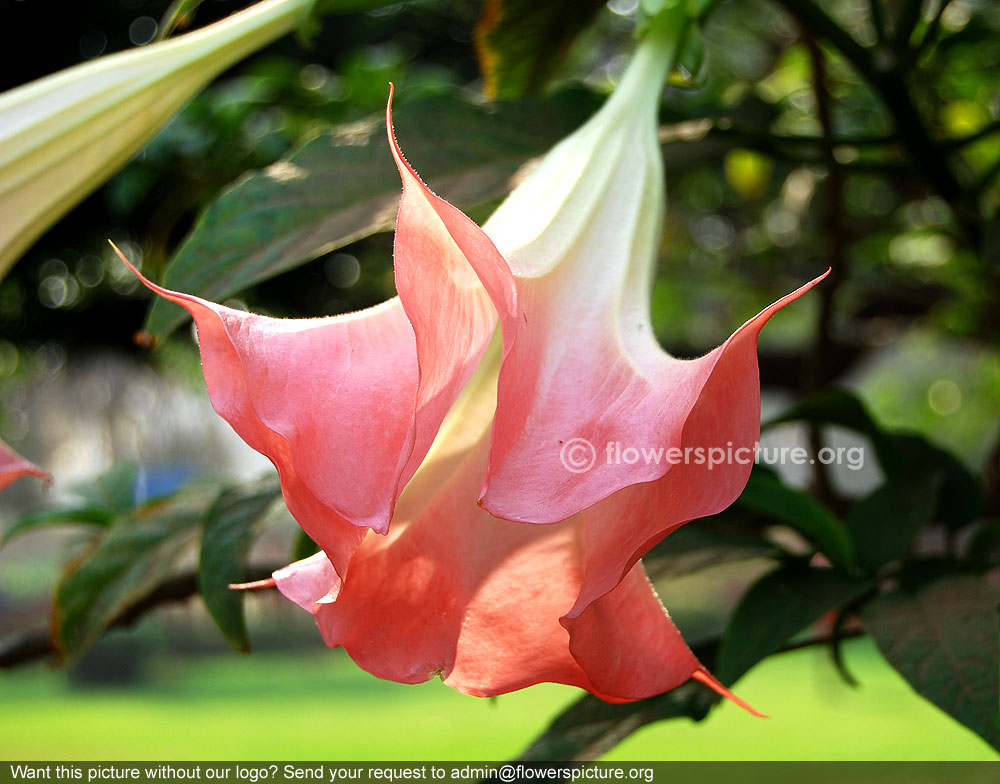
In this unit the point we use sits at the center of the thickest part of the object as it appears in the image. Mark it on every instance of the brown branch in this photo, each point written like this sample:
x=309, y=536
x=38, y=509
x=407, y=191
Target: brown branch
x=777, y=146
x=35, y=645
x=818, y=374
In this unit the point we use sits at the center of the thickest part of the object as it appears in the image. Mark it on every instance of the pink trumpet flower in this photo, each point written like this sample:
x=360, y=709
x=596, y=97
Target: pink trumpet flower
x=507, y=562
x=13, y=467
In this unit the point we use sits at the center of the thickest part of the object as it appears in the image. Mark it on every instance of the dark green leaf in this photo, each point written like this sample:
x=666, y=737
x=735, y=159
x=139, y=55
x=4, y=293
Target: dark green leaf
x=944, y=641
x=901, y=455
x=304, y=547
x=692, y=56
x=104, y=498
x=767, y=495
x=113, y=491
x=343, y=185
x=231, y=527
x=841, y=408
x=884, y=523
x=590, y=726
x=960, y=493
x=178, y=16
x=694, y=548
x=131, y=559
x=521, y=43
x=984, y=547
x=831, y=407
x=51, y=517
x=777, y=607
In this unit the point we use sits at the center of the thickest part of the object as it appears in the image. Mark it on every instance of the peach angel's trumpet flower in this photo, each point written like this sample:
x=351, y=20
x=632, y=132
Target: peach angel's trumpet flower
x=415, y=412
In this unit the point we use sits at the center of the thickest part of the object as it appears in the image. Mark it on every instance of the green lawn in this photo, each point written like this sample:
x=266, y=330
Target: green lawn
x=319, y=706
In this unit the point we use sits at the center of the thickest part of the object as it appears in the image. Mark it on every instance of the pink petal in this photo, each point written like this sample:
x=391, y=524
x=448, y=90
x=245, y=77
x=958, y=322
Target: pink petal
x=622, y=641
x=347, y=407
x=306, y=392
x=13, y=467
x=308, y=581
x=557, y=388
x=481, y=602
x=449, y=277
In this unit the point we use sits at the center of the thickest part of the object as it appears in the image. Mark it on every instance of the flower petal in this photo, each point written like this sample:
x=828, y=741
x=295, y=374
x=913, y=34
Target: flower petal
x=584, y=369
x=308, y=393
x=452, y=281
x=308, y=581
x=623, y=643
x=13, y=467
x=715, y=451
x=595, y=395
x=305, y=393
x=453, y=592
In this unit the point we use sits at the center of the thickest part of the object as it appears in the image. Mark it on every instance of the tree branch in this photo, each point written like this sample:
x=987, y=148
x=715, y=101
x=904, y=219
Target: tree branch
x=38, y=644
x=835, y=244
x=888, y=81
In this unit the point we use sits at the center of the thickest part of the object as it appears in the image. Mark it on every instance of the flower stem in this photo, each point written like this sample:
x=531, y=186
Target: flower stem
x=655, y=58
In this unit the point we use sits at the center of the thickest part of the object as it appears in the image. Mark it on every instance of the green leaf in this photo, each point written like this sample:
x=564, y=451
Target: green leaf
x=521, y=43
x=901, y=455
x=50, y=517
x=777, y=607
x=178, y=16
x=767, y=495
x=692, y=56
x=695, y=547
x=960, y=495
x=113, y=491
x=109, y=495
x=831, y=407
x=304, y=546
x=343, y=185
x=231, y=526
x=590, y=726
x=884, y=523
x=130, y=560
x=984, y=547
x=841, y=408
x=944, y=641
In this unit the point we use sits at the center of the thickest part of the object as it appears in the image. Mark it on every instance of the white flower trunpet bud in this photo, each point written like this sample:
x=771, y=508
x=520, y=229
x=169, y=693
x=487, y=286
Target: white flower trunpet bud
x=63, y=135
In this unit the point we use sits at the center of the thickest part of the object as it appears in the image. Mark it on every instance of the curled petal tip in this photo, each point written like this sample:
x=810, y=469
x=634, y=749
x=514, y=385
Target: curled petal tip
x=129, y=264
x=252, y=586
x=703, y=676
x=13, y=467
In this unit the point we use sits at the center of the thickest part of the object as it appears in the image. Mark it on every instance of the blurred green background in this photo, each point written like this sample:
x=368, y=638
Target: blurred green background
x=765, y=189
x=315, y=704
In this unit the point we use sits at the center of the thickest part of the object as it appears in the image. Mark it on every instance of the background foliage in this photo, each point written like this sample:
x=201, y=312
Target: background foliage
x=863, y=136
